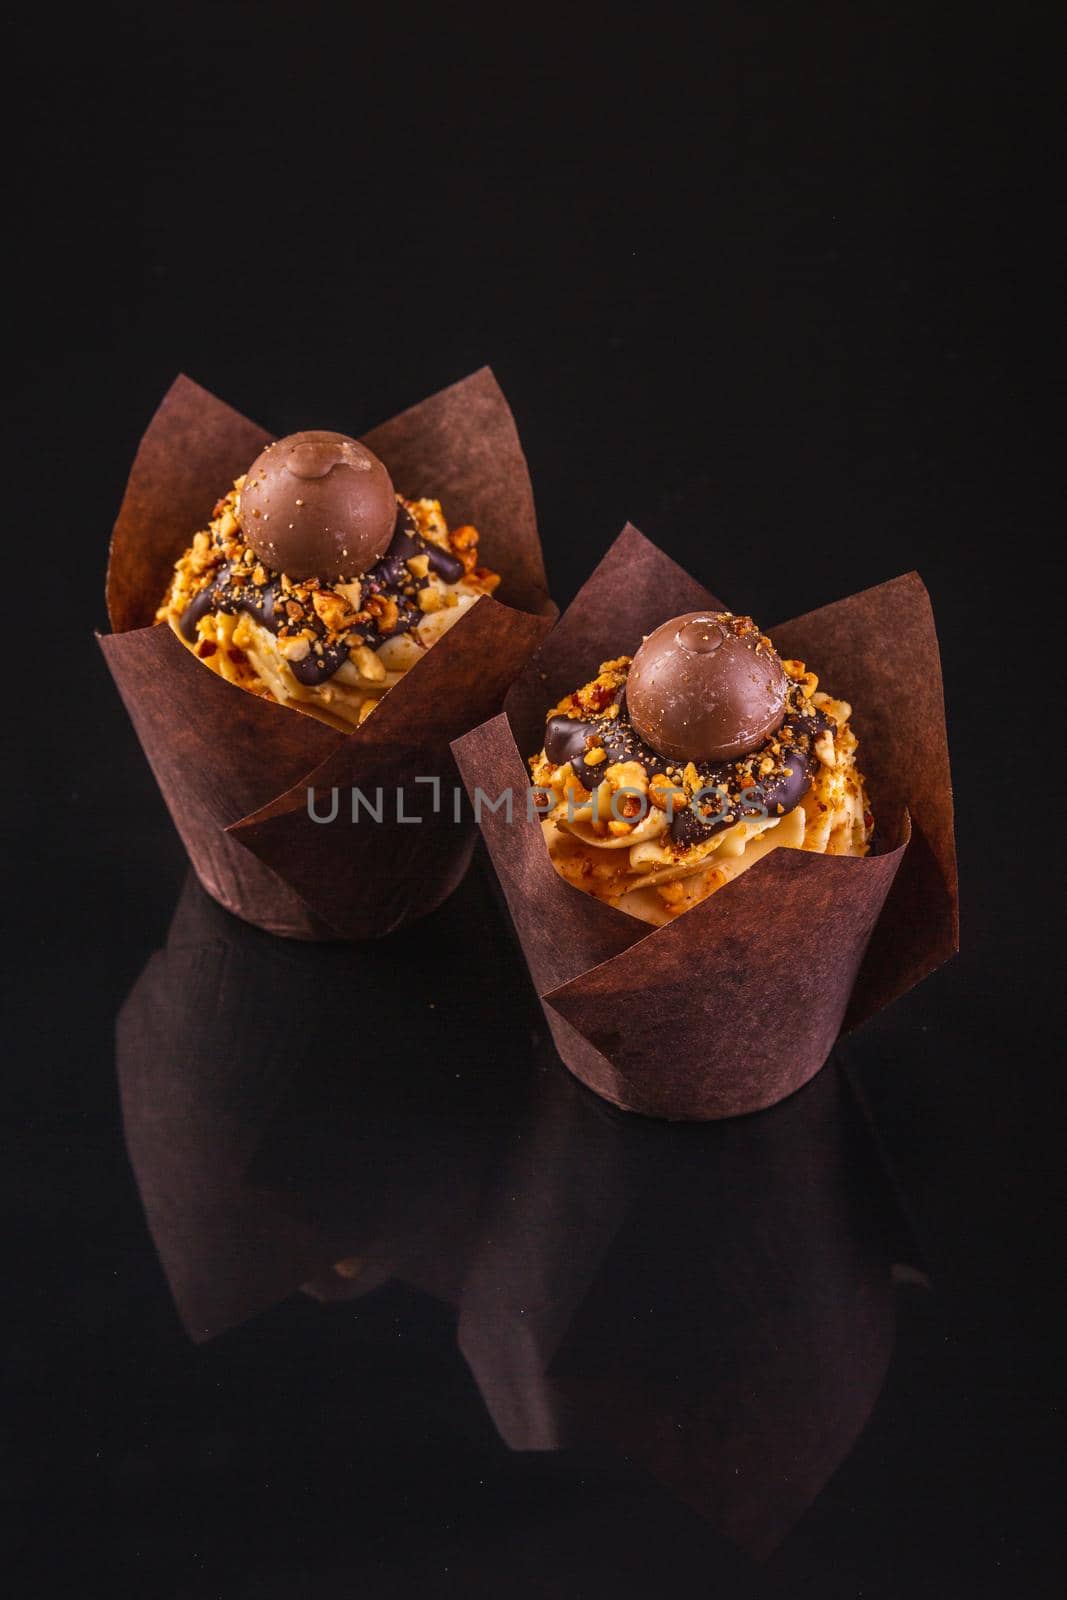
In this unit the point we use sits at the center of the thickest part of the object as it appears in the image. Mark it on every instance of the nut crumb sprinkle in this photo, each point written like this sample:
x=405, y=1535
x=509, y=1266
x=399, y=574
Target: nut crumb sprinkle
x=655, y=837
x=298, y=641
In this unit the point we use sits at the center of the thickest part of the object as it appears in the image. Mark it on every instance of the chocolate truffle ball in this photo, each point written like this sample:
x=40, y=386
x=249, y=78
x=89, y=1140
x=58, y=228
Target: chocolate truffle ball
x=318, y=505
x=706, y=687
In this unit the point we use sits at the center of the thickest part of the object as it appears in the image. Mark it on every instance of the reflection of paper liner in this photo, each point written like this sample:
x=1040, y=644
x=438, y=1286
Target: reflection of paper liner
x=739, y=1001
x=268, y=1122
x=233, y=768
x=714, y=1303
x=194, y=1106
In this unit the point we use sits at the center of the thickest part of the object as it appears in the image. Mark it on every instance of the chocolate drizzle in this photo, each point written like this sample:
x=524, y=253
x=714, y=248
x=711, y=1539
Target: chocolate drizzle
x=721, y=799
x=388, y=577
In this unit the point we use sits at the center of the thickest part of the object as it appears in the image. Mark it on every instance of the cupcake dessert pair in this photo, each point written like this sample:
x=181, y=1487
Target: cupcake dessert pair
x=322, y=616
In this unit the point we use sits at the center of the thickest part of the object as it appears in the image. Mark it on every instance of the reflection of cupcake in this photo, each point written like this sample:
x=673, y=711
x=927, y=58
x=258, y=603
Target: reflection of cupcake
x=266, y=1152
x=316, y=585
x=667, y=776
x=714, y=1304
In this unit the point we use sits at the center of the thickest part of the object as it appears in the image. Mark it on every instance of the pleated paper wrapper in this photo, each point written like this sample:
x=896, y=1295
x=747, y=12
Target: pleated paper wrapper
x=234, y=768
x=739, y=1001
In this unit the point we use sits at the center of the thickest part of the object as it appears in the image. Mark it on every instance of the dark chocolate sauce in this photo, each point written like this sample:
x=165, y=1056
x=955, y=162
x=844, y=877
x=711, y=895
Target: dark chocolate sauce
x=266, y=602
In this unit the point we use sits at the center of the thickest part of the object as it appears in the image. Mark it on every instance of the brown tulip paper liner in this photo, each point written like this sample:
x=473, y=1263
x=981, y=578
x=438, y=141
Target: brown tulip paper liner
x=235, y=769
x=738, y=1002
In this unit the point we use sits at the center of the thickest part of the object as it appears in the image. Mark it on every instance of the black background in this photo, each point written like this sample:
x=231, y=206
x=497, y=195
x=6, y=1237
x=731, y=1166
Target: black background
x=776, y=291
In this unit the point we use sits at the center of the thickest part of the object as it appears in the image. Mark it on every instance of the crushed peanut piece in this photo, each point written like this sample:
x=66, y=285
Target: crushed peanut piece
x=367, y=664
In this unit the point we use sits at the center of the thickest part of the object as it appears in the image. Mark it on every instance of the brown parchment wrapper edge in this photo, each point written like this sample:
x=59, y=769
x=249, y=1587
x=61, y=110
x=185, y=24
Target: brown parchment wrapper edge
x=737, y=1003
x=234, y=769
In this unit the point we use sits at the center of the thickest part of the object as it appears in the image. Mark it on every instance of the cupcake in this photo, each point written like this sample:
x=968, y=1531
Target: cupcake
x=316, y=585
x=665, y=786
x=669, y=774
x=267, y=596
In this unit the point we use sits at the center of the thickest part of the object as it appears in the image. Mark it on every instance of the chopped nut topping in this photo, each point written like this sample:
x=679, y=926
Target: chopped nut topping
x=464, y=541
x=311, y=621
x=824, y=748
x=383, y=609
x=660, y=790
x=331, y=609
x=366, y=663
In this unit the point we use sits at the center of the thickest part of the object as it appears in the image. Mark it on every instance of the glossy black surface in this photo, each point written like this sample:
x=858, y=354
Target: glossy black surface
x=777, y=295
